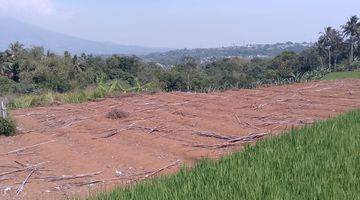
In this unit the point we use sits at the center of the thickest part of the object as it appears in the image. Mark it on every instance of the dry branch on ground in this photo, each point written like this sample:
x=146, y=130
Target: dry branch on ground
x=29, y=167
x=69, y=177
x=28, y=147
x=214, y=135
x=233, y=142
x=22, y=185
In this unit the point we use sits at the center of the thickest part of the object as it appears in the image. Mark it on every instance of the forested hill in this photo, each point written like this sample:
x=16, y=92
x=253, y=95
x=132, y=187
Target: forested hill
x=206, y=55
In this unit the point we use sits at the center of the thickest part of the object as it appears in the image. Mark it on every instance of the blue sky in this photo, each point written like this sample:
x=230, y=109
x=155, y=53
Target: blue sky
x=184, y=23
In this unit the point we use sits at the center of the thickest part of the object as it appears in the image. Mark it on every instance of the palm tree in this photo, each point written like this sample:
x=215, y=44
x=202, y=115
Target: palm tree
x=330, y=41
x=350, y=29
x=325, y=42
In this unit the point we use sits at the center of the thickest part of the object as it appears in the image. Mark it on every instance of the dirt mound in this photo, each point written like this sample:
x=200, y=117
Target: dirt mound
x=68, y=150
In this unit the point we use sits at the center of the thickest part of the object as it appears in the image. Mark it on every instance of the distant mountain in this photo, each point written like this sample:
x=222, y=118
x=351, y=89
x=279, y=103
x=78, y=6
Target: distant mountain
x=206, y=55
x=12, y=30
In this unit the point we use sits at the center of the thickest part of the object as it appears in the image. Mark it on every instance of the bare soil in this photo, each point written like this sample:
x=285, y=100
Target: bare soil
x=71, y=141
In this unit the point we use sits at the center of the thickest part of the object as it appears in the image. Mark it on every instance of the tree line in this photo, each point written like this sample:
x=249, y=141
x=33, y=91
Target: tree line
x=34, y=70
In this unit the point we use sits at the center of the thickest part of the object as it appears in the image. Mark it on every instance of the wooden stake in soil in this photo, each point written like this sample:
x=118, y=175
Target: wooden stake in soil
x=3, y=110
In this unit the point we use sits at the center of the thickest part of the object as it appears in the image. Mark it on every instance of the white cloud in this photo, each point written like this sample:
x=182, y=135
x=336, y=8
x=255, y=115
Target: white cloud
x=31, y=9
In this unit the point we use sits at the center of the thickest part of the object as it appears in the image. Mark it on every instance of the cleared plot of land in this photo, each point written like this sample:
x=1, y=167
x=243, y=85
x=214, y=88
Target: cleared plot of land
x=321, y=161
x=342, y=75
x=77, y=148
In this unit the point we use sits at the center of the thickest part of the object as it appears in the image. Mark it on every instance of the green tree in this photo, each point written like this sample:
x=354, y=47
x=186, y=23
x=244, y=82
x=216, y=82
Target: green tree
x=332, y=42
x=351, y=30
x=188, y=67
x=286, y=64
x=310, y=59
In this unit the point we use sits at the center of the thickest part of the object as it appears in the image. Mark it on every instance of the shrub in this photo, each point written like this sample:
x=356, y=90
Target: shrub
x=25, y=101
x=7, y=127
x=48, y=98
x=74, y=97
x=116, y=114
x=6, y=85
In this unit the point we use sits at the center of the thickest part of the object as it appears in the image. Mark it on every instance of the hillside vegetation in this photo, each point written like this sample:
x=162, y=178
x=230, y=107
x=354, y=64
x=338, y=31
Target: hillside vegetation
x=317, y=162
x=208, y=55
x=48, y=77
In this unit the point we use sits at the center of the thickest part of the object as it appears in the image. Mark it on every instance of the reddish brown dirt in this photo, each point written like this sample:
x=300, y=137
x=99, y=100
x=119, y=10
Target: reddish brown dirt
x=158, y=130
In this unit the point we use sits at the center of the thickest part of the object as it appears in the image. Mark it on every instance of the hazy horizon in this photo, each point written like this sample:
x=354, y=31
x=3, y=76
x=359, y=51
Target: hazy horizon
x=183, y=24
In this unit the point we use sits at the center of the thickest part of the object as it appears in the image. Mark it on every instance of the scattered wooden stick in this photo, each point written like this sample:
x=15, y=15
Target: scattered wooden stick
x=128, y=178
x=129, y=127
x=152, y=130
x=149, y=130
x=162, y=169
x=70, y=177
x=249, y=138
x=22, y=186
x=233, y=142
x=13, y=171
x=74, y=121
x=9, y=166
x=238, y=119
x=117, y=131
x=252, y=126
x=19, y=163
x=80, y=184
x=150, y=173
x=22, y=169
x=246, y=123
x=29, y=147
x=214, y=135
x=263, y=117
x=85, y=183
x=114, y=133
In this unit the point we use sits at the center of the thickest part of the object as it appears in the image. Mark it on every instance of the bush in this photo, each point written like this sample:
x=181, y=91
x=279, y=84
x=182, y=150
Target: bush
x=116, y=114
x=74, y=97
x=6, y=85
x=25, y=101
x=7, y=127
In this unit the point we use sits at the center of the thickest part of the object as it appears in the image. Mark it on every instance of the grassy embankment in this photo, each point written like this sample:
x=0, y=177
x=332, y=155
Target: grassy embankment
x=102, y=90
x=341, y=75
x=114, y=88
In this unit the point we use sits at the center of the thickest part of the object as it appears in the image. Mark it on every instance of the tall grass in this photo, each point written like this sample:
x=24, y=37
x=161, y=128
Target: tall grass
x=32, y=100
x=119, y=87
x=317, y=162
x=102, y=90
